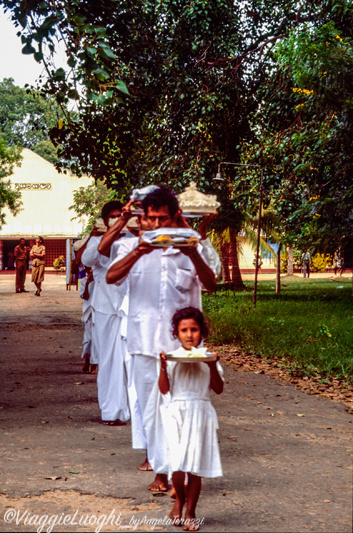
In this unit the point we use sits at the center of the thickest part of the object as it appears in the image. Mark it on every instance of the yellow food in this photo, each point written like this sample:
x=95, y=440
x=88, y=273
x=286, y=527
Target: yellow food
x=163, y=238
x=192, y=240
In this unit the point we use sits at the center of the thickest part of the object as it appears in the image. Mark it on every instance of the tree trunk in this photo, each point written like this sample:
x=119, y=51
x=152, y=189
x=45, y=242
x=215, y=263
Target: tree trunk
x=278, y=270
x=236, y=274
x=290, y=261
x=226, y=278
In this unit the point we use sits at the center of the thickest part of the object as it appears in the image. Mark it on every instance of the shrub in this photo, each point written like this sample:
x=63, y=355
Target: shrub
x=320, y=262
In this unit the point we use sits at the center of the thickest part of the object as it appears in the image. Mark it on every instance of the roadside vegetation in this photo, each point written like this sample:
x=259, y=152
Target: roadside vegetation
x=309, y=325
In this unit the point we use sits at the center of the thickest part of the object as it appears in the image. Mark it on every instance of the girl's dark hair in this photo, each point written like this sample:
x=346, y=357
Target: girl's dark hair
x=163, y=196
x=185, y=314
x=41, y=239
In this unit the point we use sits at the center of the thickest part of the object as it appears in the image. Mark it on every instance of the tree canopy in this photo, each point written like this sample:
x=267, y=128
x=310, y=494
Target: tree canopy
x=165, y=90
x=26, y=117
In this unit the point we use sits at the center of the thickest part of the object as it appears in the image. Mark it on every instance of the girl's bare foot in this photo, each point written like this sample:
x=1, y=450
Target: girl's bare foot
x=173, y=493
x=190, y=524
x=176, y=513
x=94, y=369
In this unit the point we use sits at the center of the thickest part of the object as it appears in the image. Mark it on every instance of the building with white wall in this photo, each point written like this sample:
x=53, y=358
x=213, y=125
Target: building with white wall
x=46, y=197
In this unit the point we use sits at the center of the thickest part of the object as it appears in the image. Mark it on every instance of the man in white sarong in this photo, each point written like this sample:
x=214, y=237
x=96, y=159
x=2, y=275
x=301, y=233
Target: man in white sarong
x=160, y=282
x=106, y=302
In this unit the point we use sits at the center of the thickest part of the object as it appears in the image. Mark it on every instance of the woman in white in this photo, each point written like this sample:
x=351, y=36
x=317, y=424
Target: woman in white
x=189, y=419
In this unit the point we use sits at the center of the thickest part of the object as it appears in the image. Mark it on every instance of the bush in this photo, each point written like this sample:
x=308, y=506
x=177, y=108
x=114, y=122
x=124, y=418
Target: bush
x=320, y=262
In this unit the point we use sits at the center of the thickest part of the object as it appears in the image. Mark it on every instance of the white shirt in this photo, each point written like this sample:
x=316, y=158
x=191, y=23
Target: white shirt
x=159, y=283
x=106, y=298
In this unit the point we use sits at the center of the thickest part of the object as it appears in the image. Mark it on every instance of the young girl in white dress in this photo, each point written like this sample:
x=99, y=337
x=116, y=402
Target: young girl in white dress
x=189, y=419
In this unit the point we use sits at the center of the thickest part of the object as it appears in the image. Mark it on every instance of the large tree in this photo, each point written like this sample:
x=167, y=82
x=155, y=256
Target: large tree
x=306, y=131
x=26, y=117
x=199, y=75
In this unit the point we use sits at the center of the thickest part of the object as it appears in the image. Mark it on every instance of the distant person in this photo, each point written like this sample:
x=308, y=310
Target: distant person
x=37, y=254
x=338, y=262
x=21, y=253
x=86, y=293
x=306, y=263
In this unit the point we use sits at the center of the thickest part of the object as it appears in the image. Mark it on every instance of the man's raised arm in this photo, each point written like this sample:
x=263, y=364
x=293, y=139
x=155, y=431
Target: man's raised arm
x=113, y=233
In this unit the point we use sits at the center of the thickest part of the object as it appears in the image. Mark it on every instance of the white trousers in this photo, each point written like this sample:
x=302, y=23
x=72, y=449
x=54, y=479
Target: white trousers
x=87, y=337
x=94, y=355
x=111, y=379
x=142, y=372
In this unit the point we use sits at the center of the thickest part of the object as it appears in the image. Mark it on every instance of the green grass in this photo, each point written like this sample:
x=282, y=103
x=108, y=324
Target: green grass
x=309, y=325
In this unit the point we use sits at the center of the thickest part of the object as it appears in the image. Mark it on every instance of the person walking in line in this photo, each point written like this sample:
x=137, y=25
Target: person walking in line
x=106, y=302
x=21, y=254
x=306, y=263
x=189, y=419
x=37, y=254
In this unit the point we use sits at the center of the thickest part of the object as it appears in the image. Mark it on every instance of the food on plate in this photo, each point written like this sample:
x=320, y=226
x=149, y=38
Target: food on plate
x=194, y=353
x=163, y=238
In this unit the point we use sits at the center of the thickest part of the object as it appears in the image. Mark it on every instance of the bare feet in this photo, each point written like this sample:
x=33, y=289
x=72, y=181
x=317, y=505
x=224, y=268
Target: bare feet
x=94, y=369
x=160, y=483
x=85, y=368
x=113, y=422
x=145, y=466
x=173, y=493
x=176, y=513
x=191, y=524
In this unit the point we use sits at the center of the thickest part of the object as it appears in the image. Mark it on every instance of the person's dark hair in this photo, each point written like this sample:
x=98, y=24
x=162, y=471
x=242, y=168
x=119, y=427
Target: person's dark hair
x=159, y=198
x=187, y=313
x=109, y=207
x=41, y=240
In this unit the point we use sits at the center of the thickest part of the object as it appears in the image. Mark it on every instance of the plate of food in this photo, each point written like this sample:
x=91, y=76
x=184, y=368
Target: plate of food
x=195, y=355
x=175, y=237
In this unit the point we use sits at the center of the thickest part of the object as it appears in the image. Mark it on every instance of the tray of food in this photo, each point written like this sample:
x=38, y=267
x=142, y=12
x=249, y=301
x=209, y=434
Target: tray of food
x=195, y=355
x=176, y=237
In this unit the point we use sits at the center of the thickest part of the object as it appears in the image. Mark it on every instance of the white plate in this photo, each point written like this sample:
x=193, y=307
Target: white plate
x=181, y=236
x=209, y=358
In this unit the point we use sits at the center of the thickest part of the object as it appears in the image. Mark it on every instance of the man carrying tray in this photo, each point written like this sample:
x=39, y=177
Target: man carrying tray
x=161, y=280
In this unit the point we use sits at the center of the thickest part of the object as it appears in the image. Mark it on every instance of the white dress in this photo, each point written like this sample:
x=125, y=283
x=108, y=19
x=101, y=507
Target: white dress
x=190, y=421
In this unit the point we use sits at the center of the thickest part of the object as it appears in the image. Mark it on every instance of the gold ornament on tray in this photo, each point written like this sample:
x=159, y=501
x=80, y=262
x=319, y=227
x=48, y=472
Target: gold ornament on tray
x=194, y=203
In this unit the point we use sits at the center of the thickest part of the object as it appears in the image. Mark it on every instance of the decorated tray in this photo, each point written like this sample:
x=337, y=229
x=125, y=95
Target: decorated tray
x=194, y=355
x=208, y=358
x=175, y=237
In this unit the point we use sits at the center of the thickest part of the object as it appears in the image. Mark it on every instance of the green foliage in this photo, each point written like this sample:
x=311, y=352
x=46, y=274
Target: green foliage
x=9, y=157
x=88, y=202
x=169, y=89
x=320, y=262
x=306, y=126
x=26, y=118
x=308, y=325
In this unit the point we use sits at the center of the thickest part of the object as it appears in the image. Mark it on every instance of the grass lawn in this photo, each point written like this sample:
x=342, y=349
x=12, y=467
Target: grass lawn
x=309, y=325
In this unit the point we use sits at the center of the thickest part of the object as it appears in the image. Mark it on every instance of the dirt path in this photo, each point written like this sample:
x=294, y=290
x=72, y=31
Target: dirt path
x=286, y=455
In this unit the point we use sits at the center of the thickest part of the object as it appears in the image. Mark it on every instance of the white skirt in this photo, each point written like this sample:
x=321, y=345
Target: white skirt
x=190, y=427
